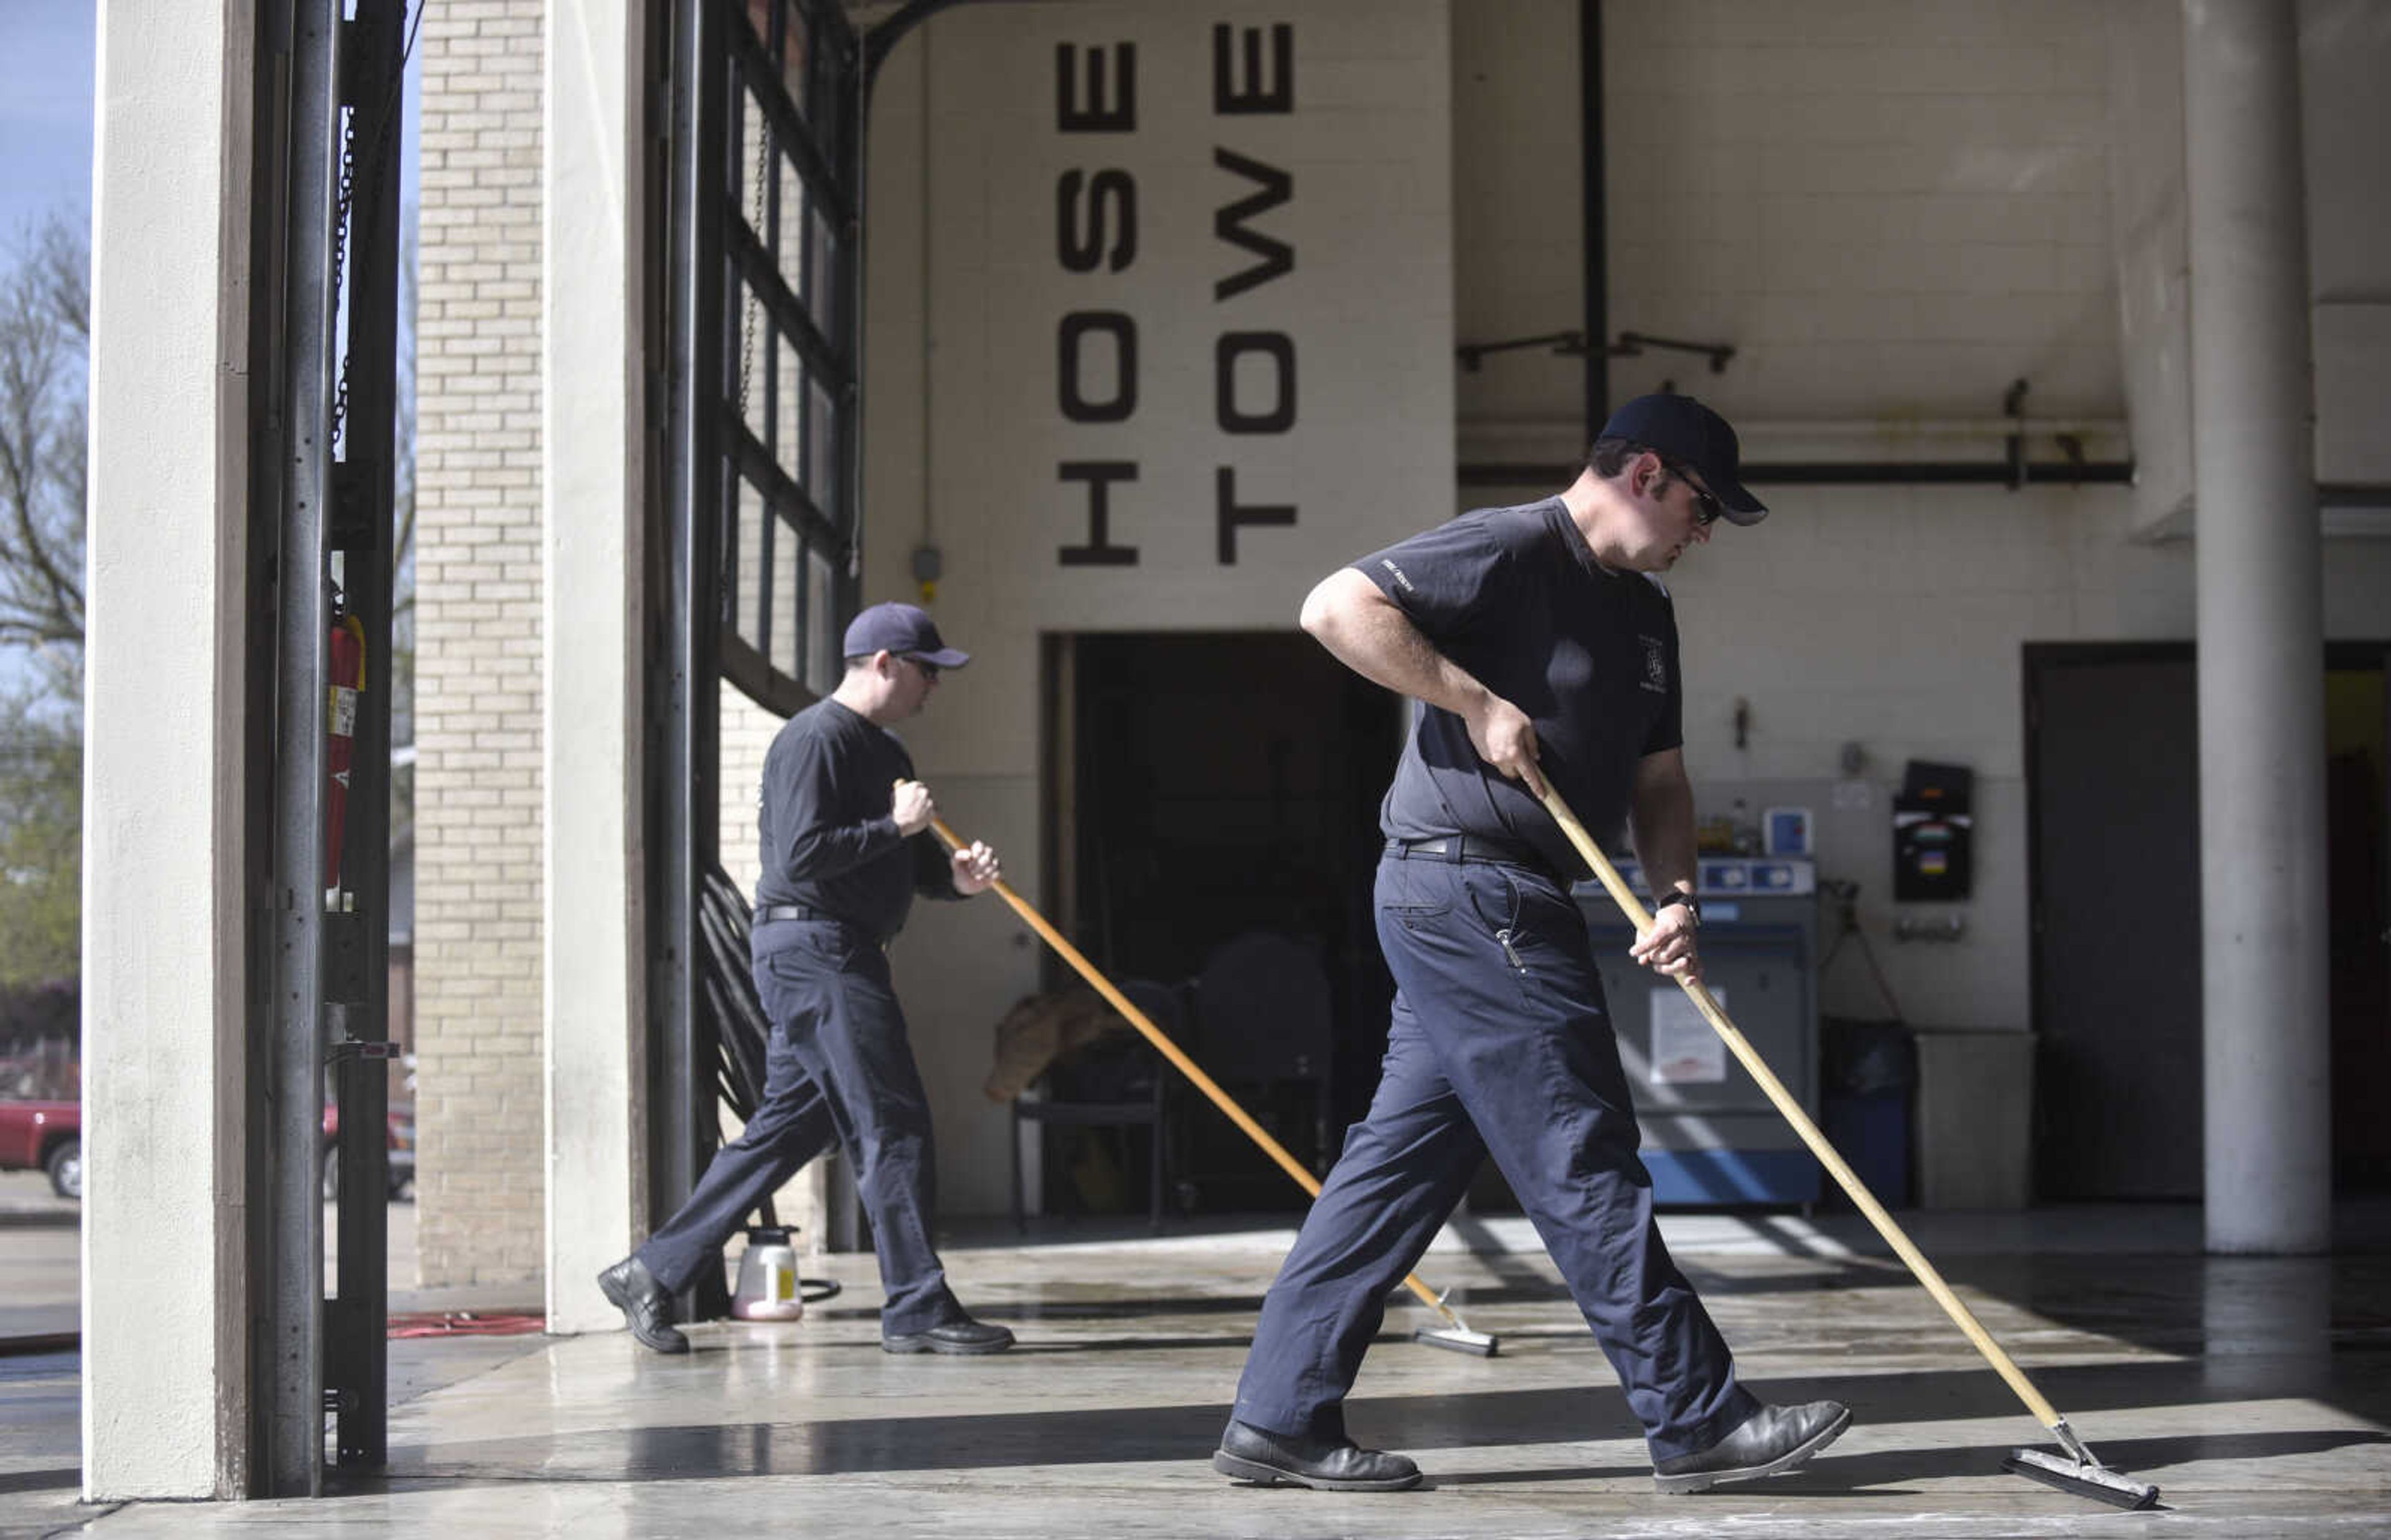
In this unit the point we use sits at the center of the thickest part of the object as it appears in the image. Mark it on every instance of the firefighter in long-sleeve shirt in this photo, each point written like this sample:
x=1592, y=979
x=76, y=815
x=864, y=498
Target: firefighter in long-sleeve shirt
x=844, y=855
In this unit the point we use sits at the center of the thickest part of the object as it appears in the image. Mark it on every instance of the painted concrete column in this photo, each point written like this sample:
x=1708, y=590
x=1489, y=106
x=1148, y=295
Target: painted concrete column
x=2260, y=605
x=593, y=474
x=165, y=1278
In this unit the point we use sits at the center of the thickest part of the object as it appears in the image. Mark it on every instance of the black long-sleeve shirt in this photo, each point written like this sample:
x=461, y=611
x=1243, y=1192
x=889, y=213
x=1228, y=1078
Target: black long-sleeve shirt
x=828, y=841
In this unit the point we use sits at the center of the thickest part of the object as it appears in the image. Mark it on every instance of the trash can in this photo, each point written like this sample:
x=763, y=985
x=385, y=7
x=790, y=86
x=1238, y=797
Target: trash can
x=1975, y=1117
x=1868, y=1070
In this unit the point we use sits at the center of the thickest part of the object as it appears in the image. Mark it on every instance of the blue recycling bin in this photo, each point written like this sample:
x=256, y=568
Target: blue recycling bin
x=1871, y=1079
x=1870, y=1131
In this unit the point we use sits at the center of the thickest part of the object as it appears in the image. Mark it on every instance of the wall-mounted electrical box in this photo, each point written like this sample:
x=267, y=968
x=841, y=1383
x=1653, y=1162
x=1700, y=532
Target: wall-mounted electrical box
x=1933, y=824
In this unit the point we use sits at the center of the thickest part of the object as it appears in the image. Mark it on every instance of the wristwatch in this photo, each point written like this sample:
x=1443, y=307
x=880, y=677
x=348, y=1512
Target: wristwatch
x=1678, y=895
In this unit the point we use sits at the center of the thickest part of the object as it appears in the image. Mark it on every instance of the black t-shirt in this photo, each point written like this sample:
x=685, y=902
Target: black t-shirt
x=828, y=841
x=1516, y=596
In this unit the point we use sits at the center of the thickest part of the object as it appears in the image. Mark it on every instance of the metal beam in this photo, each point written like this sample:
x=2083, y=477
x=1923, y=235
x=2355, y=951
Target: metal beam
x=684, y=797
x=294, y=1388
x=356, y=1318
x=1846, y=473
x=1597, y=217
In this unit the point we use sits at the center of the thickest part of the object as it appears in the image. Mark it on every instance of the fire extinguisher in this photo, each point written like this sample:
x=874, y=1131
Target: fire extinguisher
x=348, y=676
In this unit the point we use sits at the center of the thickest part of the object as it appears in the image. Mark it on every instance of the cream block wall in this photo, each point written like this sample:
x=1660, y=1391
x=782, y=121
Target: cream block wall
x=479, y=688
x=963, y=427
x=1889, y=209
x=1894, y=617
x=746, y=732
x=2346, y=118
x=2344, y=52
x=1519, y=224
x=2149, y=245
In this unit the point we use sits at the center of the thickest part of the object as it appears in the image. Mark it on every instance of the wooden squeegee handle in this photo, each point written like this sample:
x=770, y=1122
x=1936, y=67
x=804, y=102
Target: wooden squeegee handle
x=1842, y=1174
x=1169, y=1050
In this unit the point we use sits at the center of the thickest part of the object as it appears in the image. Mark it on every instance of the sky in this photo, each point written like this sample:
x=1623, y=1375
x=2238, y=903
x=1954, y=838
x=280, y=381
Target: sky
x=45, y=96
x=49, y=51
x=47, y=56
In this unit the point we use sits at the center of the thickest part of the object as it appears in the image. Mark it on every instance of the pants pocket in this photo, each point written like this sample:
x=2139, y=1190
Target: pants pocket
x=1415, y=894
x=1494, y=903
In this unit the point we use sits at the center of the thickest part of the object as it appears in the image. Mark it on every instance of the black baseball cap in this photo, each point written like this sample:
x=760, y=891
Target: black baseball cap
x=903, y=629
x=1682, y=428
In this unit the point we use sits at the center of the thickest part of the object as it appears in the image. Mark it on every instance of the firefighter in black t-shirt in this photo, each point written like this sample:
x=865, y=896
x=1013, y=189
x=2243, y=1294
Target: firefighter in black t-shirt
x=1543, y=647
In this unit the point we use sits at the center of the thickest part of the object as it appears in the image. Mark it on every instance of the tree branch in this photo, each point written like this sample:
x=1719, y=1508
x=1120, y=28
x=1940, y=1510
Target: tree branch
x=45, y=323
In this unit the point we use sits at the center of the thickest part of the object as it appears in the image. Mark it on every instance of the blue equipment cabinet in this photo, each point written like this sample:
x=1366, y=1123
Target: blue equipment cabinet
x=1711, y=1135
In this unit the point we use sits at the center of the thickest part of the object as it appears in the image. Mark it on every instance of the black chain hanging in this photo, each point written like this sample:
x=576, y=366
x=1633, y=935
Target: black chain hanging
x=340, y=261
x=755, y=226
x=347, y=195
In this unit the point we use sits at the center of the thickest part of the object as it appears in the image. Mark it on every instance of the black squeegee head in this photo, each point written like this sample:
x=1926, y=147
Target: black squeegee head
x=2085, y=1479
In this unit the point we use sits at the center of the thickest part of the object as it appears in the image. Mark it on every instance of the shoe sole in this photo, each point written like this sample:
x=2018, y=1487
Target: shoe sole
x=1270, y=1475
x=1702, y=1480
x=622, y=1301
x=925, y=1344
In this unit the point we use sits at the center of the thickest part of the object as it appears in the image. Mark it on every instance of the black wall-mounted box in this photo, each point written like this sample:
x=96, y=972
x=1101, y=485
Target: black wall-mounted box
x=1932, y=825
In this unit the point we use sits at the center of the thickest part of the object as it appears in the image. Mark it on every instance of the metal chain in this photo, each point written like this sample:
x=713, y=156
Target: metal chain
x=748, y=308
x=343, y=202
x=339, y=259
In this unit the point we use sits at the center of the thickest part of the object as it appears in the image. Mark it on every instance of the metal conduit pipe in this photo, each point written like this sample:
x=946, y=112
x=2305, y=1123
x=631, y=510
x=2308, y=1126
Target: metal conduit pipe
x=1888, y=428
x=1933, y=437
x=1843, y=473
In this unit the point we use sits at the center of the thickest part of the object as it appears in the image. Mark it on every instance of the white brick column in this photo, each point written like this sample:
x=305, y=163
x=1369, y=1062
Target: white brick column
x=478, y=820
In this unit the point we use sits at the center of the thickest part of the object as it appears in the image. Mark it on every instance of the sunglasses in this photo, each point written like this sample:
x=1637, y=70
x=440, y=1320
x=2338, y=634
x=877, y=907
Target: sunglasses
x=1707, y=508
x=929, y=671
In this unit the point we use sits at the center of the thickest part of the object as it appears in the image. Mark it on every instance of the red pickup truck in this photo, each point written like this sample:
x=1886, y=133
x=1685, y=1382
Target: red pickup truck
x=47, y=1135
x=44, y=1135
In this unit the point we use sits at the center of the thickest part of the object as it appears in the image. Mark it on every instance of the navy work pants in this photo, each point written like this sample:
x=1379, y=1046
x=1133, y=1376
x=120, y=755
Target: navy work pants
x=1508, y=1052
x=838, y=1066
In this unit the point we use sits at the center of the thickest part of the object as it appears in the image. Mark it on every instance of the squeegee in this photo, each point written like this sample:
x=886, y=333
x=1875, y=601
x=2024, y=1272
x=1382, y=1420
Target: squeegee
x=2079, y=1473
x=1453, y=1333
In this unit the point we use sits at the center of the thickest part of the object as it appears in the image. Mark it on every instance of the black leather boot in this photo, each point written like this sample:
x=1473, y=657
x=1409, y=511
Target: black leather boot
x=632, y=1289
x=965, y=1336
x=1771, y=1442
x=1255, y=1455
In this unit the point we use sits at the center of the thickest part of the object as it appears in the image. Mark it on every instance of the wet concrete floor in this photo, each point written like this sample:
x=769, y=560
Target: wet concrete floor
x=2256, y=1393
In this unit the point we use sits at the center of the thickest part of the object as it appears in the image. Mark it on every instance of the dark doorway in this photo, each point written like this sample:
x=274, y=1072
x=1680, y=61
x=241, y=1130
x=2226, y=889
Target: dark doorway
x=2358, y=881
x=1210, y=785
x=2112, y=790
x=2112, y=795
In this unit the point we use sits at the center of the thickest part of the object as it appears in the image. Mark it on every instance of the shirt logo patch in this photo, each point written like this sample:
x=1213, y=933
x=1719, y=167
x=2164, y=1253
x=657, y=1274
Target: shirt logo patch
x=1400, y=581
x=1656, y=666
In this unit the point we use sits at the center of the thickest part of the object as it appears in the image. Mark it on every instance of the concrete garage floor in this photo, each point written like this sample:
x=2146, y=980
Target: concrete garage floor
x=2255, y=1392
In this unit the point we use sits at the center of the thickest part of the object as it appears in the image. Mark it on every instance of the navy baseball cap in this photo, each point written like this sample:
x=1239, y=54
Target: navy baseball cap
x=1684, y=430
x=904, y=630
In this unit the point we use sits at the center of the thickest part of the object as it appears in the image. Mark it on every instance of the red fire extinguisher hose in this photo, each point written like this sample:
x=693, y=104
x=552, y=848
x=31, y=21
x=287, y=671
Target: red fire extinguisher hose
x=348, y=680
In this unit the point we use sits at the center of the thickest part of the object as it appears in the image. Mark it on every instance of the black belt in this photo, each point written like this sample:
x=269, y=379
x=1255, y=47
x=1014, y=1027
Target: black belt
x=1473, y=849
x=771, y=912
